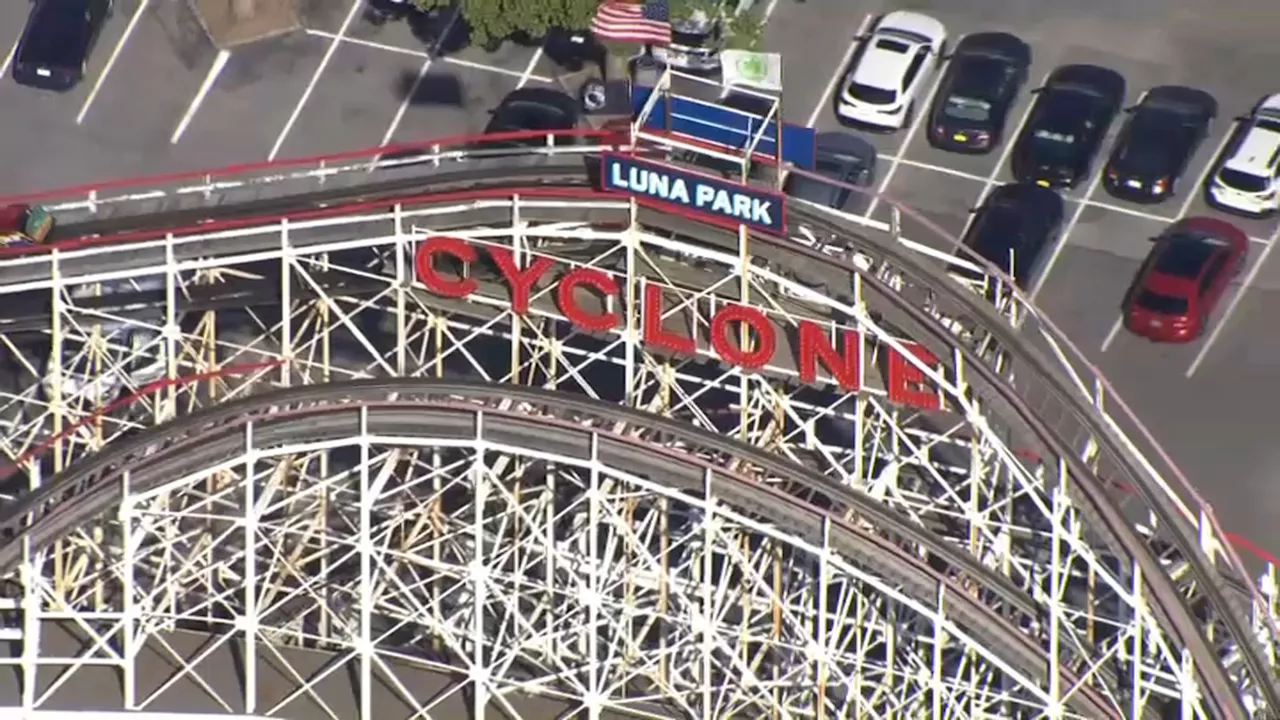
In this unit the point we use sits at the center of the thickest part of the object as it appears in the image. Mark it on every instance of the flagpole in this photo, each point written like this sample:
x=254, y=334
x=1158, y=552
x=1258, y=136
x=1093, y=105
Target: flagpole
x=778, y=142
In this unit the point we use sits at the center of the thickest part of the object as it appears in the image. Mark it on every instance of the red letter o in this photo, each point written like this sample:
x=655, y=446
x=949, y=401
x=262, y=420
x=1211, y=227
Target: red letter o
x=596, y=280
x=722, y=323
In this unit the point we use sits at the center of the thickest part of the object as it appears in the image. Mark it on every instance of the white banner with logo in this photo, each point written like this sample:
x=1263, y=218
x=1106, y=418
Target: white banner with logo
x=758, y=70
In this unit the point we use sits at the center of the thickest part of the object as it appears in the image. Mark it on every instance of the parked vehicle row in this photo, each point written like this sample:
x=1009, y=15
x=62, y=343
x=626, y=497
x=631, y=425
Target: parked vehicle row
x=1067, y=125
x=1190, y=264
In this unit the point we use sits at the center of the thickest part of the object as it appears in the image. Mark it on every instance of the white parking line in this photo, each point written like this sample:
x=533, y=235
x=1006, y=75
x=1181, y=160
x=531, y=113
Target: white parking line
x=111, y=60
x=1194, y=190
x=413, y=89
x=1082, y=204
x=836, y=76
x=1235, y=303
x=1100, y=204
x=916, y=123
x=426, y=55
x=1113, y=332
x=1009, y=140
x=8, y=59
x=528, y=70
x=334, y=41
x=219, y=62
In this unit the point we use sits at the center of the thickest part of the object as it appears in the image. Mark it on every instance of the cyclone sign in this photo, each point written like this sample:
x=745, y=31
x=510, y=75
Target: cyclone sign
x=710, y=198
x=823, y=353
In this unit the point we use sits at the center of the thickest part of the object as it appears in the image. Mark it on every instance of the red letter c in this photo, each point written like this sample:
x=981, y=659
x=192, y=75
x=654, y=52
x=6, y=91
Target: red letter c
x=424, y=266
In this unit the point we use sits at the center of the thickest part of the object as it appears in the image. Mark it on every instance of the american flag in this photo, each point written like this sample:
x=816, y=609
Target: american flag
x=649, y=22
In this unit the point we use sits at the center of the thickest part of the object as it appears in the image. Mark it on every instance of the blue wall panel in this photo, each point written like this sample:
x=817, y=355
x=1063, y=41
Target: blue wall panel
x=727, y=127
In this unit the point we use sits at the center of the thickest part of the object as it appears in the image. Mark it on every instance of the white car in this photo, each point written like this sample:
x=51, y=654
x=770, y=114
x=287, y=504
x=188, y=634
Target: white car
x=1248, y=180
x=890, y=69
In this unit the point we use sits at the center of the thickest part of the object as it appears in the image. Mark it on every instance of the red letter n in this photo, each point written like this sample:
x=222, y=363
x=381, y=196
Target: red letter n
x=817, y=348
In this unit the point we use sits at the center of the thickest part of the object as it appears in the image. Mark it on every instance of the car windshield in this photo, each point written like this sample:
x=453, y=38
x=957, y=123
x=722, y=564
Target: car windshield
x=1162, y=304
x=1268, y=124
x=964, y=108
x=1186, y=255
x=894, y=46
x=871, y=94
x=1244, y=181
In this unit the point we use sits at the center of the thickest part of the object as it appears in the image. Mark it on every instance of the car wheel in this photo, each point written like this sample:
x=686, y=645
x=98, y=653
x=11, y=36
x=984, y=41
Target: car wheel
x=909, y=116
x=1240, y=265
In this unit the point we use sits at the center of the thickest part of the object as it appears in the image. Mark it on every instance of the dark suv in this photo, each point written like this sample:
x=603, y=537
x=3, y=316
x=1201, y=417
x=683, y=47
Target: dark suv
x=57, y=41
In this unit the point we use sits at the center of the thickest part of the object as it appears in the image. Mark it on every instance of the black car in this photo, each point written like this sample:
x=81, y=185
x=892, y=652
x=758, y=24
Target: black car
x=532, y=109
x=1013, y=229
x=1157, y=142
x=844, y=158
x=573, y=50
x=1067, y=125
x=55, y=46
x=380, y=12
x=979, y=86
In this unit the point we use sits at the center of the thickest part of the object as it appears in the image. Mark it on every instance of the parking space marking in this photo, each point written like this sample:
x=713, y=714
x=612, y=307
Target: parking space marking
x=413, y=89
x=1235, y=303
x=1010, y=140
x=1113, y=332
x=1204, y=174
x=1081, y=205
x=1090, y=202
x=426, y=56
x=916, y=123
x=111, y=60
x=839, y=73
x=315, y=79
x=494, y=69
x=528, y=69
x=8, y=59
x=219, y=62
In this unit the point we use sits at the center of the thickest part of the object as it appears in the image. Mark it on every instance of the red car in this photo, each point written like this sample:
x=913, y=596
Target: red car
x=1183, y=278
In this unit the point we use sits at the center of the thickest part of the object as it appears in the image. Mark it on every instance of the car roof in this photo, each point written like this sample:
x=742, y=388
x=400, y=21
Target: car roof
x=912, y=22
x=1257, y=153
x=881, y=66
x=1185, y=249
x=57, y=32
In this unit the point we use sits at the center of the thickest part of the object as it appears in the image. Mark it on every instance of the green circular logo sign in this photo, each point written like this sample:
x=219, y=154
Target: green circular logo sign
x=753, y=68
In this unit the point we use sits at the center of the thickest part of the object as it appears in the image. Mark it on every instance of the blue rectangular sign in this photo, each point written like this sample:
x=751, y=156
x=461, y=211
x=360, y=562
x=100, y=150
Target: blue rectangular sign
x=727, y=127
x=716, y=199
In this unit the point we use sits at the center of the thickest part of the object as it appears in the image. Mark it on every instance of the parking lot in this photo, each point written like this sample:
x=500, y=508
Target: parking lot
x=1206, y=401
x=339, y=83
x=158, y=98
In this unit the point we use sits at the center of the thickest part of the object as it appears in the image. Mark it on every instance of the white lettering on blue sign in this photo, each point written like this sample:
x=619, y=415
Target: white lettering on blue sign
x=689, y=191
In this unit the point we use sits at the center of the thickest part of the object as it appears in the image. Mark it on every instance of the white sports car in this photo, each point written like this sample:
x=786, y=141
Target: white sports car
x=890, y=69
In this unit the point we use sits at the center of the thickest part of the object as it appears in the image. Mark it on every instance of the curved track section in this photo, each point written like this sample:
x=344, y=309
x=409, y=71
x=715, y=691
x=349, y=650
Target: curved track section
x=523, y=542
x=1138, y=597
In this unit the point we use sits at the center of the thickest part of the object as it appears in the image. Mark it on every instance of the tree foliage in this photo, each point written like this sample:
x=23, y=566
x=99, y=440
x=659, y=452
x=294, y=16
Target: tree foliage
x=496, y=19
x=745, y=31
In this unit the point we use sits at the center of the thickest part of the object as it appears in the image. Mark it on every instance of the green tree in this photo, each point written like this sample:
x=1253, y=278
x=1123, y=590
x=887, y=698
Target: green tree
x=496, y=19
